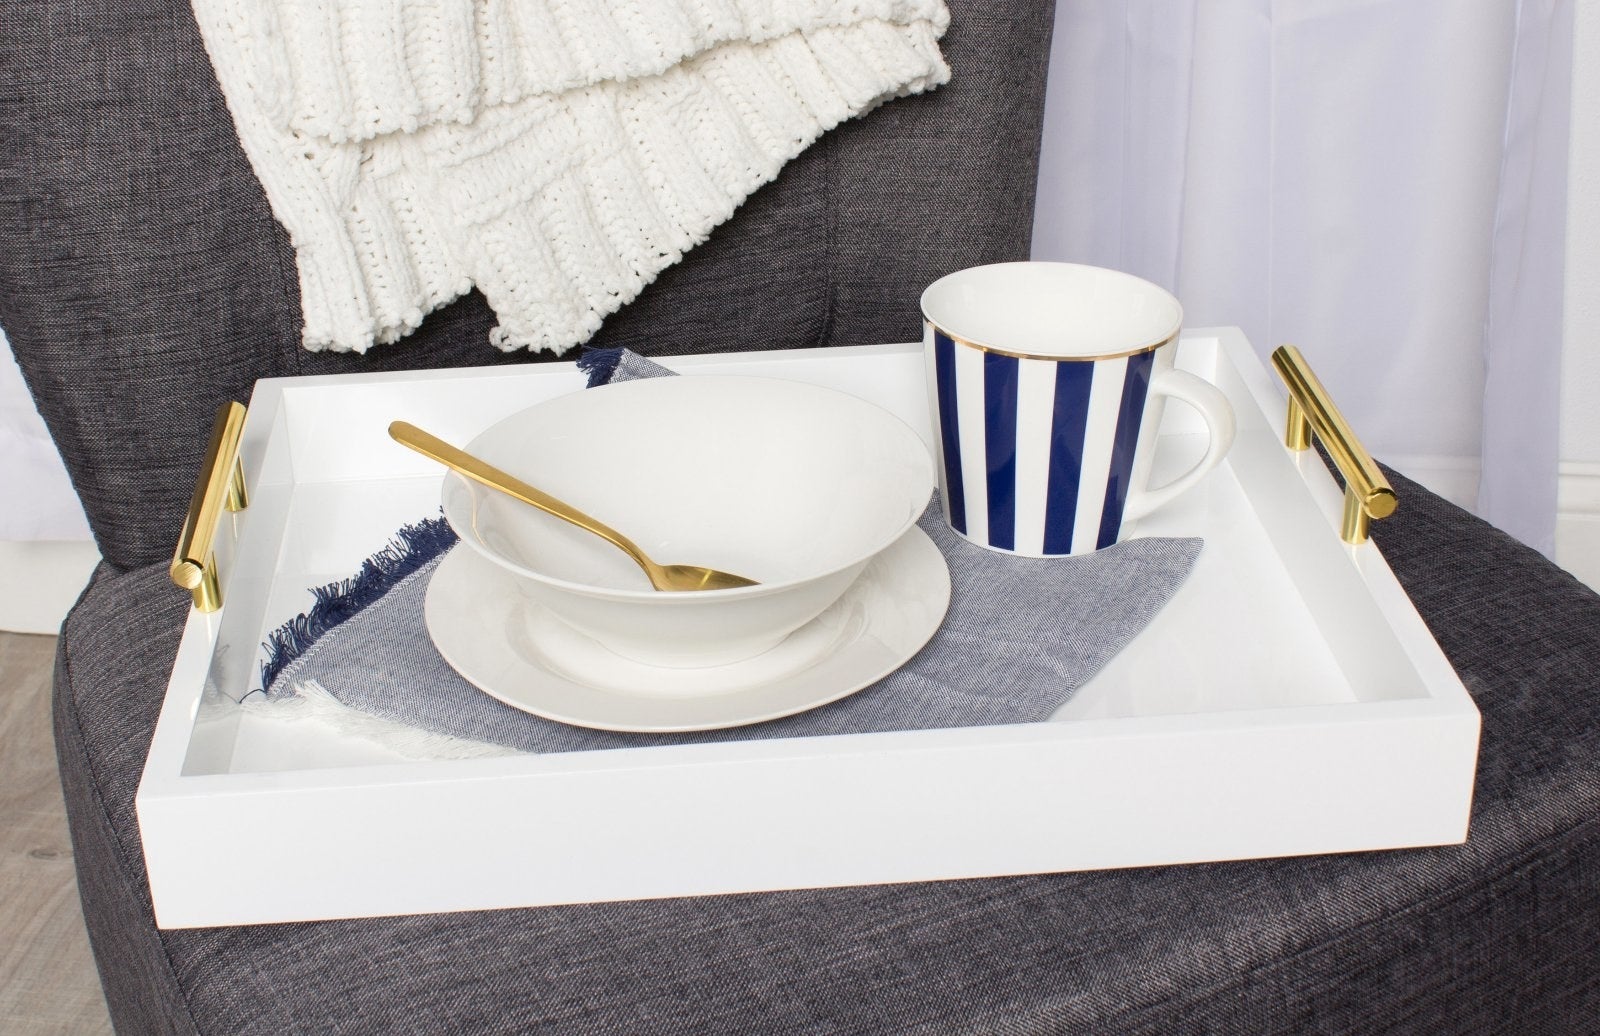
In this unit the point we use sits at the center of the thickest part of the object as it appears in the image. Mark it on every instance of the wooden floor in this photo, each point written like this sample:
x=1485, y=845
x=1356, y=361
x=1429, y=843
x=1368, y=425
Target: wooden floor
x=48, y=982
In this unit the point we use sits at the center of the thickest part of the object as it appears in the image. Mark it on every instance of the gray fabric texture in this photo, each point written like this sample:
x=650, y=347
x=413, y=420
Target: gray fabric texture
x=143, y=280
x=633, y=367
x=1020, y=636
x=1494, y=936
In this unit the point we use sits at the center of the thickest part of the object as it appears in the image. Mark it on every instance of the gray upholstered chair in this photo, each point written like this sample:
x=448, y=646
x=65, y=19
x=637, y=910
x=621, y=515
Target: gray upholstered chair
x=143, y=280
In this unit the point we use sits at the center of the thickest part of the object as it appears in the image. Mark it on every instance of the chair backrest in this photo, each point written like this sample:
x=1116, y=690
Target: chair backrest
x=143, y=279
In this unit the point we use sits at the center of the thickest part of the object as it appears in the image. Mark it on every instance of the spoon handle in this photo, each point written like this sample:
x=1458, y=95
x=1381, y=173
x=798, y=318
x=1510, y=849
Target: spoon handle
x=458, y=460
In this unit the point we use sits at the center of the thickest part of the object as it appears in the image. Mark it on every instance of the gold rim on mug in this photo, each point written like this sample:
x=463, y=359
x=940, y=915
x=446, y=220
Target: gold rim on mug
x=981, y=347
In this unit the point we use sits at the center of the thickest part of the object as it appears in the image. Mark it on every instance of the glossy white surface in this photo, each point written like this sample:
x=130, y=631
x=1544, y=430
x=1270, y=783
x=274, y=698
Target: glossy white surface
x=1288, y=701
x=786, y=483
x=515, y=652
x=1214, y=410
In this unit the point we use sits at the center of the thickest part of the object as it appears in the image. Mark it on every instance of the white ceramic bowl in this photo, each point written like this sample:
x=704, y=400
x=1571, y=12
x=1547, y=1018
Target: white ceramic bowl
x=790, y=484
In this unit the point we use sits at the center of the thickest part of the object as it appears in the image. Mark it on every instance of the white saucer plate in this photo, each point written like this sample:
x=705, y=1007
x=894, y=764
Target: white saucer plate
x=517, y=652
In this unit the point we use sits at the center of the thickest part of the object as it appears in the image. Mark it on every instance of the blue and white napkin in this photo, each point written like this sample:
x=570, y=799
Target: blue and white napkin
x=1020, y=637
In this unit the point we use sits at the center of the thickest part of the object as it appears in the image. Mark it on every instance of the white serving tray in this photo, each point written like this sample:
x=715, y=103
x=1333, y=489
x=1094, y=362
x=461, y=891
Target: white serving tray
x=1288, y=701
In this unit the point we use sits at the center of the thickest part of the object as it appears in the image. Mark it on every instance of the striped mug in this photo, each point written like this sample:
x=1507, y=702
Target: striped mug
x=1046, y=382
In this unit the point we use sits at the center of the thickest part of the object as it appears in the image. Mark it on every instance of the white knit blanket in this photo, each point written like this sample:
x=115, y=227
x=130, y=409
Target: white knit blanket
x=556, y=154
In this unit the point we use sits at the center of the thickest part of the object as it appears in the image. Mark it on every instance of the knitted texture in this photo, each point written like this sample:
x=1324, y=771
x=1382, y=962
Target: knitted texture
x=556, y=155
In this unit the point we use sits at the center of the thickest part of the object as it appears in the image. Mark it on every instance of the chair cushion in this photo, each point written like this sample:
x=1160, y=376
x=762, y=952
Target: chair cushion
x=1496, y=935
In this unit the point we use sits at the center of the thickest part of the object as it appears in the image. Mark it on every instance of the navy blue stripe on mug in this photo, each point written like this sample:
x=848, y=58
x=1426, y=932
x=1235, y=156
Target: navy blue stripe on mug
x=1000, y=447
x=944, y=355
x=1135, y=387
x=1069, y=418
x=1055, y=497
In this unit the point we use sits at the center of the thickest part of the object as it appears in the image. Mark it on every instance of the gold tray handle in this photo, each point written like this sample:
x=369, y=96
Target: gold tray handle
x=1367, y=493
x=221, y=485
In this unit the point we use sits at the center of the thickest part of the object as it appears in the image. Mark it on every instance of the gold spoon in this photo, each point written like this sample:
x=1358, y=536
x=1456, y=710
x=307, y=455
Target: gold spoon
x=662, y=577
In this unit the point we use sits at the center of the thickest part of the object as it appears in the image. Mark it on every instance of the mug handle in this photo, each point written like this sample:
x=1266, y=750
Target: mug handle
x=1218, y=414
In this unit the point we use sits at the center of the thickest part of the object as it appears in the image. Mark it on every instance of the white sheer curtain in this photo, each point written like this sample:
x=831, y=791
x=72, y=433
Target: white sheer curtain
x=40, y=504
x=45, y=552
x=1380, y=182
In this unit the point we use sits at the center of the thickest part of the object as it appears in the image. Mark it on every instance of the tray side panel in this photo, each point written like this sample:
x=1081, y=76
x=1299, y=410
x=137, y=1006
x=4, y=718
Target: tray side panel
x=1038, y=803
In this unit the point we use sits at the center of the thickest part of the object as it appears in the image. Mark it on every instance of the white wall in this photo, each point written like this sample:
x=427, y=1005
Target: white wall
x=45, y=552
x=1578, y=508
